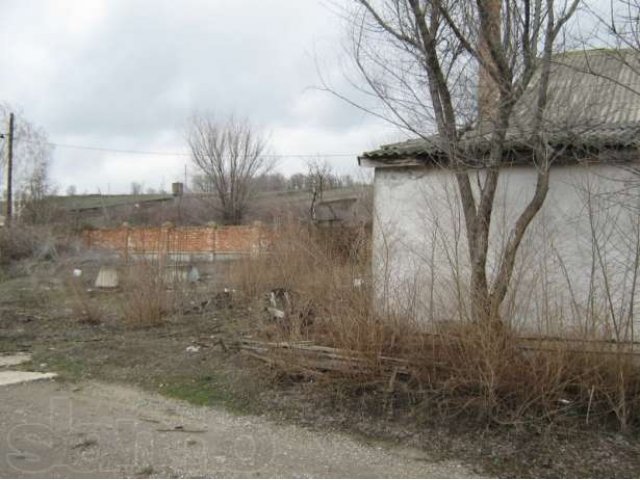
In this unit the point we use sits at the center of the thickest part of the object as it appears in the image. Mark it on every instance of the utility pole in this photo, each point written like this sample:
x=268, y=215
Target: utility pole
x=8, y=200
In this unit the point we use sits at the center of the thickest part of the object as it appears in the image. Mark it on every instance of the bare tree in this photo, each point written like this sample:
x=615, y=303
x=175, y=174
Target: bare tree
x=297, y=181
x=421, y=60
x=136, y=188
x=270, y=182
x=201, y=184
x=230, y=154
x=34, y=197
x=319, y=178
x=620, y=26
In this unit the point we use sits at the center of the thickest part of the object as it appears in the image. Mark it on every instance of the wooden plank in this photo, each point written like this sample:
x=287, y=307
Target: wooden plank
x=318, y=357
x=309, y=357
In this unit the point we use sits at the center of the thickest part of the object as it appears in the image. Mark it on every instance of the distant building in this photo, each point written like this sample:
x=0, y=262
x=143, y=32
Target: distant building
x=348, y=212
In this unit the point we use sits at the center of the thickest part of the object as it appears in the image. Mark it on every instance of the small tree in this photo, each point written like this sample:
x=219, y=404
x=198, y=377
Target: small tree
x=320, y=177
x=31, y=157
x=34, y=198
x=230, y=154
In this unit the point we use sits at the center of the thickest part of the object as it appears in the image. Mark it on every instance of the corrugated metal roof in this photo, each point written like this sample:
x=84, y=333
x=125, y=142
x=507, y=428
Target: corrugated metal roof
x=593, y=101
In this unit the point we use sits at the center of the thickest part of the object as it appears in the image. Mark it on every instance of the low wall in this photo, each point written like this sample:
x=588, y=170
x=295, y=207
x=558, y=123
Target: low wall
x=190, y=242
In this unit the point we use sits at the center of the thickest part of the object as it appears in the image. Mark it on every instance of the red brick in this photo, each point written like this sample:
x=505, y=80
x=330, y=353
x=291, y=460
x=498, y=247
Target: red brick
x=233, y=239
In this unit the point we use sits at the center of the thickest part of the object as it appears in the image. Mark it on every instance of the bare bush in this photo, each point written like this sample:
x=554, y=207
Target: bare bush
x=84, y=308
x=146, y=299
x=23, y=242
x=421, y=61
x=520, y=374
x=317, y=269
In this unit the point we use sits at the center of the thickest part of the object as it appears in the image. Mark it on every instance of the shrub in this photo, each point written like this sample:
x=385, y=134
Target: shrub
x=146, y=300
x=20, y=243
x=317, y=271
x=84, y=308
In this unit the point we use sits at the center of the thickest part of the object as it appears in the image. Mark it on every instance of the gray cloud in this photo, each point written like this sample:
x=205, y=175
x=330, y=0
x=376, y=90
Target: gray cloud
x=127, y=74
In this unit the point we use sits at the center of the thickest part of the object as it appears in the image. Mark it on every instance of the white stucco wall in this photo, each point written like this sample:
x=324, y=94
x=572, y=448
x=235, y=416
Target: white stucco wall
x=575, y=270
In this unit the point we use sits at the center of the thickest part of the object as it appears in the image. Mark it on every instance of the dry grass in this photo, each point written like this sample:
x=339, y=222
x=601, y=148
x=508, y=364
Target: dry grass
x=83, y=307
x=319, y=272
x=146, y=299
x=19, y=242
x=479, y=371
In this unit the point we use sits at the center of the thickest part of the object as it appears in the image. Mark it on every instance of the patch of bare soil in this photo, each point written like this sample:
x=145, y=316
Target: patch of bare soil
x=186, y=357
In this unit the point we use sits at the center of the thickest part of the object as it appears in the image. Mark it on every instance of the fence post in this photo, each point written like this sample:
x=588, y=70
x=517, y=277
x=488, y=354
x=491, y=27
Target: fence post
x=213, y=239
x=255, y=238
x=125, y=229
x=165, y=232
x=88, y=239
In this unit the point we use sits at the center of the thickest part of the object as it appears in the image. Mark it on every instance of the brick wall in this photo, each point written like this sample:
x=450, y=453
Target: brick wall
x=170, y=239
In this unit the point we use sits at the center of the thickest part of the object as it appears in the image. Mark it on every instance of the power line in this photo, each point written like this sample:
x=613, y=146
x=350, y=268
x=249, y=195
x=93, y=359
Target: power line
x=184, y=154
x=116, y=150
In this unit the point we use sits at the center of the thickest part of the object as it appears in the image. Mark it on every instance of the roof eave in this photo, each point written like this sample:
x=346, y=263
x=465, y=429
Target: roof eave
x=389, y=162
x=396, y=161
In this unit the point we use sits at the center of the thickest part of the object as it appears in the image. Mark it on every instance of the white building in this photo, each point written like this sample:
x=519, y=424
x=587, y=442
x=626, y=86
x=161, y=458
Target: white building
x=576, y=272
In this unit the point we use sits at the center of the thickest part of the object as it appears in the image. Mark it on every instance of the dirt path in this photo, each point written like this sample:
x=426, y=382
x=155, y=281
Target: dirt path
x=95, y=429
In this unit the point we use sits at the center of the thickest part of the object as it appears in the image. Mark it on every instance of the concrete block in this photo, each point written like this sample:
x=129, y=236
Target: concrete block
x=107, y=278
x=15, y=359
x=182, y=273
x=194, y=275
x=13, y=377
x=175, y=274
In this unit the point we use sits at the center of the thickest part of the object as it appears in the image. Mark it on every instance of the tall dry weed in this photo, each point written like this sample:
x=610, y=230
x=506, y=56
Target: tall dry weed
x=84, y=308
x=146, y=297
x=459, y=367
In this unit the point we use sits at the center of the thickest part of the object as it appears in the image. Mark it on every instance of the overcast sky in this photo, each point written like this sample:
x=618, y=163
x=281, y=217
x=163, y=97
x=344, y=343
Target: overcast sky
x=127, y=74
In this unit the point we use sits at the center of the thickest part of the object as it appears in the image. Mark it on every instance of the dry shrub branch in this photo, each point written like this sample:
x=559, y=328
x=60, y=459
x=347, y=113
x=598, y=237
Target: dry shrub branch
x=467, y=368
x=84, y=308
x=146, y=297
x=19, y=242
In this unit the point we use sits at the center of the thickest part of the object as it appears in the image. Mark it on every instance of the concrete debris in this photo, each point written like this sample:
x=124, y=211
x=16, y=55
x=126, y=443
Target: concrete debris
x=107, y=278
x=193, y=349
x=182, y=273
x=12, y=377
x=15, y=359
x=193, y=276
x=176, y=273
x=279, y=298
x=276, y=314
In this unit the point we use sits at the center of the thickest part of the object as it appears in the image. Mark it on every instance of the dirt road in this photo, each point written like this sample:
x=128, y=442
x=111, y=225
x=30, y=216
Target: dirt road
x=94, y=429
